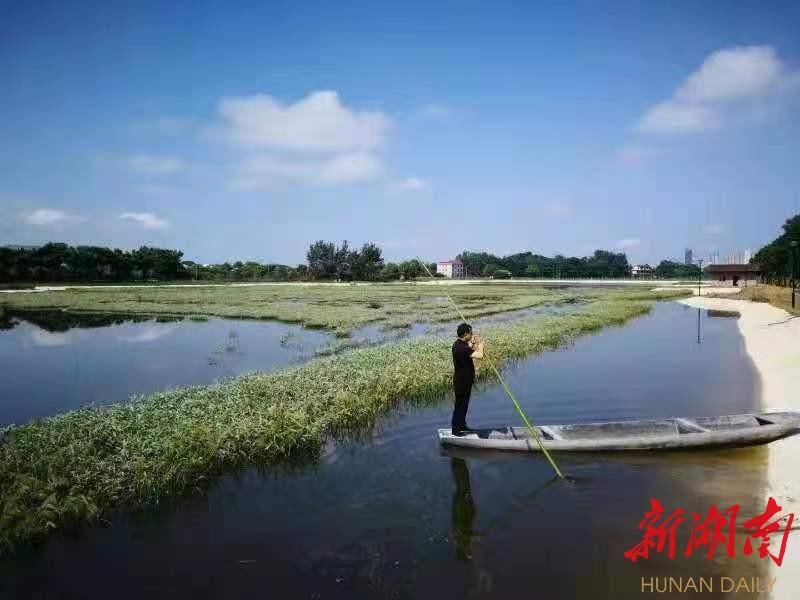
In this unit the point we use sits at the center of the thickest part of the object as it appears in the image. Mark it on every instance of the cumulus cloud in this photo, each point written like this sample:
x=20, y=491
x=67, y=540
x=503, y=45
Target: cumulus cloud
x=147, y=220
x=47, y=217
x=734, y=73
x=155, y=164
x=729, y=81
x=317, y=122
x=269, y=171
x=628, y=243
x=412, y=184
x=677, y=117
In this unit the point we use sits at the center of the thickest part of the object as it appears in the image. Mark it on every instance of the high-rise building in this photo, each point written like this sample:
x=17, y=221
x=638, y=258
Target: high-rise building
x=687, y=256
x=748, y=256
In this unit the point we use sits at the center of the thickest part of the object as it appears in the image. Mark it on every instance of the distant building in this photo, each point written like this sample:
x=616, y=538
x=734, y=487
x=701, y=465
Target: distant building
x=748, y=256
x=642, y=271
x=451, y=268
x=734, y=273
x=687, y=256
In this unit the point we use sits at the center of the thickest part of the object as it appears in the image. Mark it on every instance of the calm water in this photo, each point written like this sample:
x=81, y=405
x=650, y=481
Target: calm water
x=394, y=516
x=53, y=362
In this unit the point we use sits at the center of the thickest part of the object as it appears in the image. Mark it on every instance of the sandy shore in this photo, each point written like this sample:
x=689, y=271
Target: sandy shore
x=772, y=339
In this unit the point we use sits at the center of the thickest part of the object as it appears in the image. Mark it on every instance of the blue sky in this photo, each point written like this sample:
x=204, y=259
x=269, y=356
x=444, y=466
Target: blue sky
x=247, y=130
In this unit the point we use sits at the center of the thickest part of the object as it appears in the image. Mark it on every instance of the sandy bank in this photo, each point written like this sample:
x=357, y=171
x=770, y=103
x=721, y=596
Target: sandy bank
x=772, y=339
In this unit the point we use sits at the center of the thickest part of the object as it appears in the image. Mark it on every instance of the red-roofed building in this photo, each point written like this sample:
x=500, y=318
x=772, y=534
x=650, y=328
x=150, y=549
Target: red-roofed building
x=451, y=268
x=733, y=273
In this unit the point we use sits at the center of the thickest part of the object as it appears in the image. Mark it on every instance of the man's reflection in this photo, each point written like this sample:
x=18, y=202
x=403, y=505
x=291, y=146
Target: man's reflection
x=463, y=513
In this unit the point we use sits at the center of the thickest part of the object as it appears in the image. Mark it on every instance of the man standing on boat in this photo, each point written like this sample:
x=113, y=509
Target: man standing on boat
x=465, y=348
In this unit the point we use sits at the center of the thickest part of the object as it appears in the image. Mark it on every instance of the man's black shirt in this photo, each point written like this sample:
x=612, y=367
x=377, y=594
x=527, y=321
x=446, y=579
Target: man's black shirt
x=463, y=369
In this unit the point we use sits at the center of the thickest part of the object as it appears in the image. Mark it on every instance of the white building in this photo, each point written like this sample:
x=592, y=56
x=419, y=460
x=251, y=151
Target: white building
x=642, y=271
x=450, y=268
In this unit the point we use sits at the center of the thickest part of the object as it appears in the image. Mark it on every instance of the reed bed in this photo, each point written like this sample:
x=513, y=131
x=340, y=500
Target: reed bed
x=333, y=307
x=74, y=468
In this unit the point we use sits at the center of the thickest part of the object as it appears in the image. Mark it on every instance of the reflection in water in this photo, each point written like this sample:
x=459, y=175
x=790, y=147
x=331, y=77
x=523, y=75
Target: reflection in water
x=698, y=325
x=463, y=513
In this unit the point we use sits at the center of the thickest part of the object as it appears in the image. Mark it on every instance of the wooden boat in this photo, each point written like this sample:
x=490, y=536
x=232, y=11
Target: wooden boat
x=656, y=434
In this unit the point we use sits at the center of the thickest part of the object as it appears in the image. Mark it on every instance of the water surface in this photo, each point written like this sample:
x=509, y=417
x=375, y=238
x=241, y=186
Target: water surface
x=395, y=516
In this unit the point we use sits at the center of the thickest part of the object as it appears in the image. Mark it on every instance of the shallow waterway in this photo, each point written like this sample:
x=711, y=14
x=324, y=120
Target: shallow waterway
x=392, y=515
x=55, y=361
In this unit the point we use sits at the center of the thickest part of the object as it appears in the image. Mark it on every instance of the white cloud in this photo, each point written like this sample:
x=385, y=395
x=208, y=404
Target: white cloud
x=317, y=122
x=734, y=73
x=47, y=217
x=677, y=117
x=628, y=243
x=268, y=171
x=729, y=82
x=412, y=184
x=43, y=338
x=147, y=220
x=714, y=228
x=149, y=333
x=155, y=164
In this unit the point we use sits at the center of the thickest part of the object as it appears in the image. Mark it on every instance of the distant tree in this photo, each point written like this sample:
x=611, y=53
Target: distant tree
x=501, y=274
x=321, y=258
x=390, y=271
x=489, y=269
x=774, y=258
x=367, y=263
x=668, y=269
x=532, y=270
x=411, y=269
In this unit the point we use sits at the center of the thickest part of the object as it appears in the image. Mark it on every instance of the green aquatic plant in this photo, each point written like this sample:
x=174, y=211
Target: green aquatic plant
x=337, y=308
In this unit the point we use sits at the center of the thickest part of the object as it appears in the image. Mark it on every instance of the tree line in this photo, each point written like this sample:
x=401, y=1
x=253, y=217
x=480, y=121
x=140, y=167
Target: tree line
x=775, y=258
x=601, y=264
x=61, y=262
x=325, y=261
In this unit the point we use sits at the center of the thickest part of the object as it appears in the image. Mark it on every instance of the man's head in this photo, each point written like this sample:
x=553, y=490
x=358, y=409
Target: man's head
x=464, y=332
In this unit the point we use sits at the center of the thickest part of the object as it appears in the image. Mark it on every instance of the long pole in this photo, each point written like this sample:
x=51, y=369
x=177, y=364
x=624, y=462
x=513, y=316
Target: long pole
x=533, y=431
x=699, y=274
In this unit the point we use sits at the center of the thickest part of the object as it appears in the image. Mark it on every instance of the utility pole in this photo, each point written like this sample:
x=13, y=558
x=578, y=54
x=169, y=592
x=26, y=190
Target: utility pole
x=793, y=245
x=699, y=274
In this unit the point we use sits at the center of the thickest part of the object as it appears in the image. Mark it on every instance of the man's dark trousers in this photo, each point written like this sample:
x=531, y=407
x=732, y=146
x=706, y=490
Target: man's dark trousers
x=462, y=392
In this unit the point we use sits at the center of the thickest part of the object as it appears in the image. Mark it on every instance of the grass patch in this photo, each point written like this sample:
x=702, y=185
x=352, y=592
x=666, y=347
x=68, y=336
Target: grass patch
x=332, y=307
x=780, y=297
x=75, y=467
